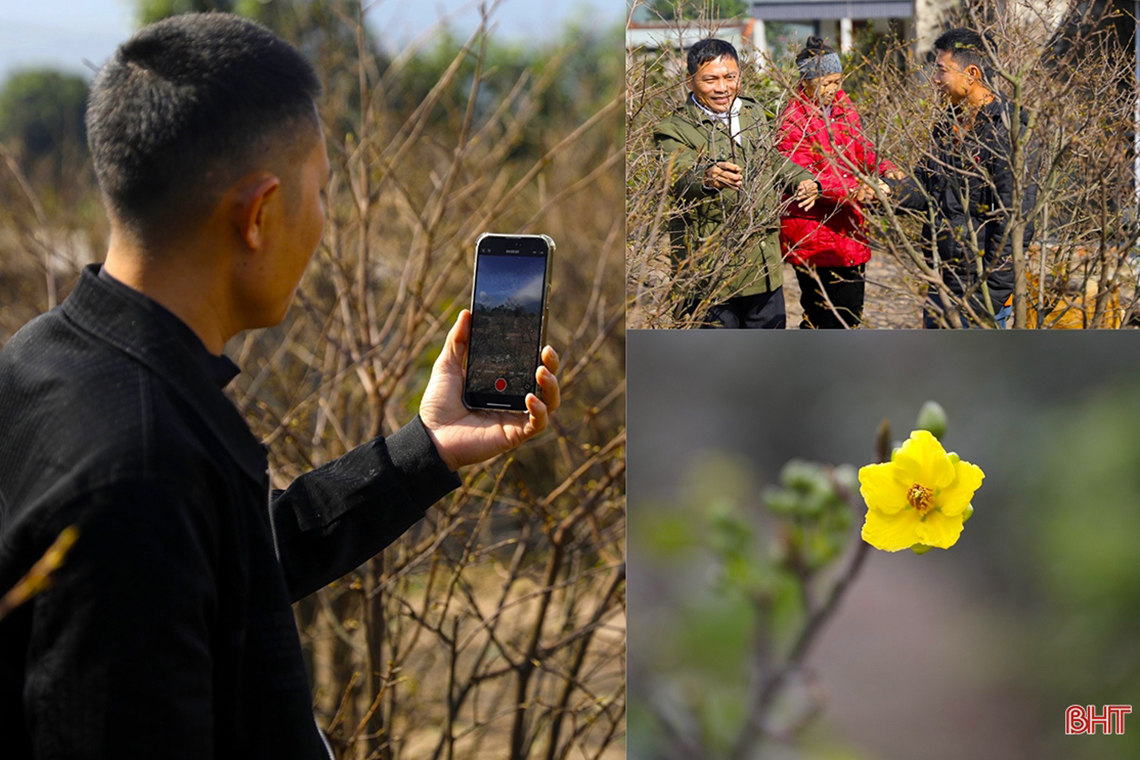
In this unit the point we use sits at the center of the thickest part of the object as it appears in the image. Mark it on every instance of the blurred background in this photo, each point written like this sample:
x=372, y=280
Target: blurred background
x=495, y=627
x=975, y=651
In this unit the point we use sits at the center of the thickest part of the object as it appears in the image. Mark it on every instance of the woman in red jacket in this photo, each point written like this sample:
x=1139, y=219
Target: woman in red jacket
x=820, y=130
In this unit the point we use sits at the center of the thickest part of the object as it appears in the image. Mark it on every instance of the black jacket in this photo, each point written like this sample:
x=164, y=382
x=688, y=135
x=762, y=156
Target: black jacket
x=969, y=184
x=168, y=631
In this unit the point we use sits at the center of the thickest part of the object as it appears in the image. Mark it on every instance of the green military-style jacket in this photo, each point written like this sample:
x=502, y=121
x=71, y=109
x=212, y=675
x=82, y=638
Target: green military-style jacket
x=693, y=140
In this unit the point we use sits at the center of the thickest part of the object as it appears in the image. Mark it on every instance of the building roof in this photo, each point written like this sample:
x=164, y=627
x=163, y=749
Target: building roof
x=823, y=10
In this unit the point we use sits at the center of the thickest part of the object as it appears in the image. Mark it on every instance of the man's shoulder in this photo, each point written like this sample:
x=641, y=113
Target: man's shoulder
x=50, y=360
x=75, y=408
x=754, y=109
x=678, y=124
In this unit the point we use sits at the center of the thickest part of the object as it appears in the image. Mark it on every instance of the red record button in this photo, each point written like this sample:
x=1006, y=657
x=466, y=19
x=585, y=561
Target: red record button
x=500, y=385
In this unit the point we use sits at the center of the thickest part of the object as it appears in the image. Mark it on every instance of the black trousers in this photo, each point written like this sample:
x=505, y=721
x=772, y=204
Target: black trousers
x=762, y=311
x=844, y=287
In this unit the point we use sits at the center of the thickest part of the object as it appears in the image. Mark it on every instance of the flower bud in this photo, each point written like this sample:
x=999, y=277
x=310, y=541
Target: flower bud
x=920, y=549
x=932, y=417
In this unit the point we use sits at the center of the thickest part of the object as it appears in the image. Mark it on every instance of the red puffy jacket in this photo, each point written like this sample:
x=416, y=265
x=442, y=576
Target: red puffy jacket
x=829, y=234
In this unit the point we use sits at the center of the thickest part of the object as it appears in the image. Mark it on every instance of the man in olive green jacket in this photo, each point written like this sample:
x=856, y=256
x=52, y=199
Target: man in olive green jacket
x=729, y=181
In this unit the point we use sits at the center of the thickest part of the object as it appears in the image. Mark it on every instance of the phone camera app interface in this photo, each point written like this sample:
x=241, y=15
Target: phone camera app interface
x=506, y=324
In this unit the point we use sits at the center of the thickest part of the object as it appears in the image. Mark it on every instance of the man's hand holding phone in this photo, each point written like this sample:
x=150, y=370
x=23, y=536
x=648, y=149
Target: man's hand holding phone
x=463, y=436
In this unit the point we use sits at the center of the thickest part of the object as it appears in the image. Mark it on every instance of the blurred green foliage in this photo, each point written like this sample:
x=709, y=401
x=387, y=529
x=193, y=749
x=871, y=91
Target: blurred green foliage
x=43, y=132
x=1082, y=513
x=41, y=113
x=693, y=9
x=754, y=556
x=577, y=72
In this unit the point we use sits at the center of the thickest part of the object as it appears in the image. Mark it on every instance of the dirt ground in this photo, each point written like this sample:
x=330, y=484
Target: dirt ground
x=890, y=300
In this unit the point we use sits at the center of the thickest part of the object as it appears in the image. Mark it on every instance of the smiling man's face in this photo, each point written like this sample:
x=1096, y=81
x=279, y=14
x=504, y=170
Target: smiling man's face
x=716, y=83
x=953, y=81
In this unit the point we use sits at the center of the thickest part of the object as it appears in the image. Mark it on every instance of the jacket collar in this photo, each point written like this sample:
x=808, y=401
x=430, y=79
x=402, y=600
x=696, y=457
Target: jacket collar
x=141, y=329
x=732, y=112
x=730, y=118
x=696, y=114
x=992, y=111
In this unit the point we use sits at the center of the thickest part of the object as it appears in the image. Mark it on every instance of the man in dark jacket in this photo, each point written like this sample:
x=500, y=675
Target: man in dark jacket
x=729, y=180
x=967, y=181
x=168, y=631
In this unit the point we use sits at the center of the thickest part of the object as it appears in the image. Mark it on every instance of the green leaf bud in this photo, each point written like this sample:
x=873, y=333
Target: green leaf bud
x=815, y=503
x=780, y=501
x=798, y=475
x=847, y=477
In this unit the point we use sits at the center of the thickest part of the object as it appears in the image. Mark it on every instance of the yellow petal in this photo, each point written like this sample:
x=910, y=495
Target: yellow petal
x=939, y=530
x=881, y=488
x=891, y=533
x=954, y=498
x=924, y=460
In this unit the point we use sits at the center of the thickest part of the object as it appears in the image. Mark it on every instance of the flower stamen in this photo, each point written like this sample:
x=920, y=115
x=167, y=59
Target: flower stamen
x=920, y=497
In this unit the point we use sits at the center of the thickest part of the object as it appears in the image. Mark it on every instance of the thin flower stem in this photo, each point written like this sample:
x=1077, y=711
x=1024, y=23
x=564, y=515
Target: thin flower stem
x=769, y=688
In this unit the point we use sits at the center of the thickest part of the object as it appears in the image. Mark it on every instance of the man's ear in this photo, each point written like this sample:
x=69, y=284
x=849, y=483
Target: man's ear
x=975, y=73
x=255, y=197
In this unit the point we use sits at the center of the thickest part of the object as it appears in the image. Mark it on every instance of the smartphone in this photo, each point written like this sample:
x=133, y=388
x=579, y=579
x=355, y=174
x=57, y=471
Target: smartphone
x=508, y=320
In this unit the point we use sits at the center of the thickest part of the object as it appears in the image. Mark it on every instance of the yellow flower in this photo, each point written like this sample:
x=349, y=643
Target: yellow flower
x=920, y=498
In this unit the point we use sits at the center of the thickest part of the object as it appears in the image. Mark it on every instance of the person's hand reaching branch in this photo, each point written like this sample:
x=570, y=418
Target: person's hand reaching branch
x=807, y=193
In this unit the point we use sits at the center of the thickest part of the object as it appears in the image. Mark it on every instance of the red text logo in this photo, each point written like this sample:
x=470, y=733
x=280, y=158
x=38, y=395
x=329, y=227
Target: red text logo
x=1085, y=720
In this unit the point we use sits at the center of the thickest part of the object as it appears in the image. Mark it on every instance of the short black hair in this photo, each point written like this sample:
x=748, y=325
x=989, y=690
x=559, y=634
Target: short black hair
x=967, y=48
x=813, y=47
x=707, y=50
x=186, y=106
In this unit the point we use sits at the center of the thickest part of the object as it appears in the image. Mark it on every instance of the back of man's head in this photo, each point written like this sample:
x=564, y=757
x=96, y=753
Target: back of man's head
x=187, y=106
x=707, y=50
x=966, y=47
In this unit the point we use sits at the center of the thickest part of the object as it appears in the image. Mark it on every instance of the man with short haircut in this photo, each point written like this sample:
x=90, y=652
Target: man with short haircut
x=168, y=631
x=720, y=146
x=967, y=180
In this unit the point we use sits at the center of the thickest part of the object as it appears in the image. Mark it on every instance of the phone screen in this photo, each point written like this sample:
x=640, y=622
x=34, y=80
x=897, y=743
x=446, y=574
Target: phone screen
x=506, y=325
